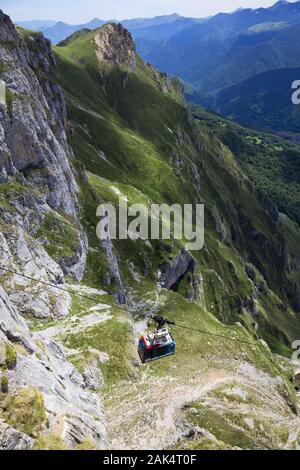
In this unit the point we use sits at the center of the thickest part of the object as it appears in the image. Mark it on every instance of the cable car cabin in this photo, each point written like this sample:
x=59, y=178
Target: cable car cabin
x=156, y=345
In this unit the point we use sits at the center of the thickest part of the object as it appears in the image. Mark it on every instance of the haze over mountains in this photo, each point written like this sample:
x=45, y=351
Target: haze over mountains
x=218, y=57
x=150, y=28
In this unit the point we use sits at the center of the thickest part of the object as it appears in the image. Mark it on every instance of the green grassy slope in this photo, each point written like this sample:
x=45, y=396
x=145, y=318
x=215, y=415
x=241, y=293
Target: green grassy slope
x=134, y=135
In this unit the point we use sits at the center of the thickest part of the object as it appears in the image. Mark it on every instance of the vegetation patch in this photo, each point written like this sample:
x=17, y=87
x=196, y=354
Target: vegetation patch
x=112, y=337
x=60, y=239
x=25, y=411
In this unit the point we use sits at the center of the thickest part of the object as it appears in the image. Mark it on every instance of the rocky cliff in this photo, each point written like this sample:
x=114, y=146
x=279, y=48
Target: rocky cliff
x=33, y=145
x=37, y=181
x=115, y=46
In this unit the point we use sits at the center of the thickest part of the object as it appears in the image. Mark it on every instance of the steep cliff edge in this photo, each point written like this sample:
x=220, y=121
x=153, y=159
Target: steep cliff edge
x=35, y=167
x=41, y=392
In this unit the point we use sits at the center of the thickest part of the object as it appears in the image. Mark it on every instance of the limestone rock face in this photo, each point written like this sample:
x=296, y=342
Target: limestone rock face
x=12, y=326
x=115, y=46
x=12, y=439
x=72, y=411
x=35, y=167
x=33, y=142
x=93, y=377
x=113, y=274
x=21, y=254
x=173, y=272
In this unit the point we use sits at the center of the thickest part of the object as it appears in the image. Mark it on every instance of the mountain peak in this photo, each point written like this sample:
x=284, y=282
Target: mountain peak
x=115, y=45
x=280, y=3
x=7, y=29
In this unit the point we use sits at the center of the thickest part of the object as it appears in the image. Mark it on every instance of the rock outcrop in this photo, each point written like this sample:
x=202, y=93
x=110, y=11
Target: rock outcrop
x=179, y=275
x=115, y=46
x=21, y=254
x=33, y=143
x=37, y=182
x=12, y=439
x=74, y=414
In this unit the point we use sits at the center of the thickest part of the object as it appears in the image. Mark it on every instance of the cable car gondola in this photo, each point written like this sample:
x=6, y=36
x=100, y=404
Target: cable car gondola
x=158, y=344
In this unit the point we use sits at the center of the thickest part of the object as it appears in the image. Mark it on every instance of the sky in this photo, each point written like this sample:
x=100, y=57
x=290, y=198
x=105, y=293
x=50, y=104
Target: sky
x=81, y=11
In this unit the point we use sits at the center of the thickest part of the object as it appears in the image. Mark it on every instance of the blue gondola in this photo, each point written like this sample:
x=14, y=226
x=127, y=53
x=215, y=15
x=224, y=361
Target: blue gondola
x=158, y=344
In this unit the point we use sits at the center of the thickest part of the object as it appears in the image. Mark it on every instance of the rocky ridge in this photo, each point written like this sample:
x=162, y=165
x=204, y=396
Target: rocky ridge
x=37, y=182
x=33, y=141
x=115, y=46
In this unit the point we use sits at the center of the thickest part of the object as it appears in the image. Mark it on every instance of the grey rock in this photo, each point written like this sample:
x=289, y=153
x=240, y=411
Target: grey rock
x=115, y=46
x=114, y=274
x=251, y=273
x=78, y=411
x=34, y=152
x=12, y=439
x=220, y=225
x=136, y=363
x=12, y=326
x=33, y=141
x=173, y=272
x=23, y=255
x=93, y=377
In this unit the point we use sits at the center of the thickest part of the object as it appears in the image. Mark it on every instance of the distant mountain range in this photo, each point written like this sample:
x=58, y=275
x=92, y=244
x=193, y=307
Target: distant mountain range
x=232, y=63
x=228, y=62
x=162, y=27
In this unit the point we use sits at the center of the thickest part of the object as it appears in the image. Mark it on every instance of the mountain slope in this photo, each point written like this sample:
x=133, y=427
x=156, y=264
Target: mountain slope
x=130, y=133
x=264, y=101
x=131, y=126
x=222, y=57
x=212, y=63
x=272, y=162
x=173, y=160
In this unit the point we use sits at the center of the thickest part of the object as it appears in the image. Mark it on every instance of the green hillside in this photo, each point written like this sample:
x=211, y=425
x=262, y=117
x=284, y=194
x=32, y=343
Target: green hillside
x=273, y=163
x=134, y=135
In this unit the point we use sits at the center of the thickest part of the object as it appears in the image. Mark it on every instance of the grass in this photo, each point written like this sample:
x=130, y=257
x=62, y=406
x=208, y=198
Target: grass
x=62, y=239
x=232, y=404
x=9, y=359
x=130, y=135
x=49, y=442
x=112, y=337
x=4, y=383
x=224, y=431
x=25, y=411
x=11, y=356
